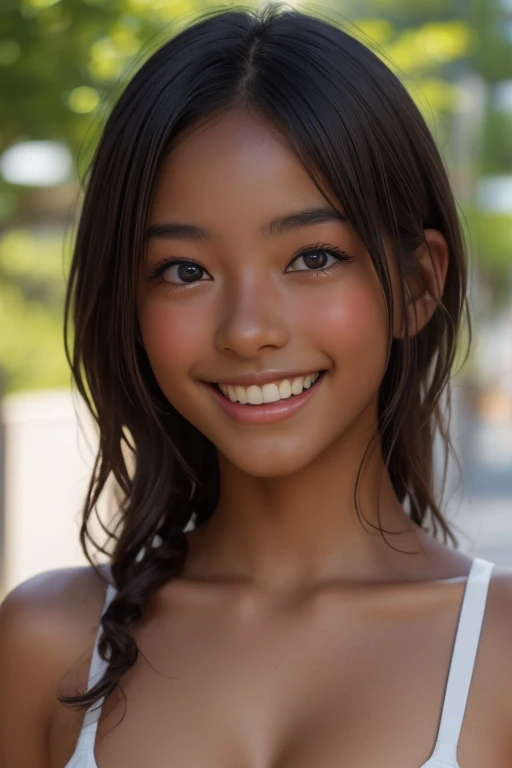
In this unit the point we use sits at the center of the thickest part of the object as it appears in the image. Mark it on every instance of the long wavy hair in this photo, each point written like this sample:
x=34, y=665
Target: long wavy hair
x=358, y=133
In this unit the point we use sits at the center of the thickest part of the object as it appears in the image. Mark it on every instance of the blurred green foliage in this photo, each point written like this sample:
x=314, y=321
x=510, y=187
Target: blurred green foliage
x=491, y=236
x=31, y=299
x=63, y=61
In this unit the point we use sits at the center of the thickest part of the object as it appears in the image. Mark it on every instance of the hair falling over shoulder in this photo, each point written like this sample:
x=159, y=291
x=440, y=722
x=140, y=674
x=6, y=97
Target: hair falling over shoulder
x=355, y=127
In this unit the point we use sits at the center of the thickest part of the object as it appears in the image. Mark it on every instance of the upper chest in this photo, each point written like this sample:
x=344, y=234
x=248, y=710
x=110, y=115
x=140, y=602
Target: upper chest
x=351, y=680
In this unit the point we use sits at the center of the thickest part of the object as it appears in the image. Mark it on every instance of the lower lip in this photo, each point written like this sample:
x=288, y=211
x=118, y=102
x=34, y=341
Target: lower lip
x=267, y=413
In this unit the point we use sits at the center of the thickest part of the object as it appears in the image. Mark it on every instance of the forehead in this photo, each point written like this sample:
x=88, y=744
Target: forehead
x=235, y=172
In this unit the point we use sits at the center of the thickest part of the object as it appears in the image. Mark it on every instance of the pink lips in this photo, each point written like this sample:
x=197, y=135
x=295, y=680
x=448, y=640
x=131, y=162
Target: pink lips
x=267, y=413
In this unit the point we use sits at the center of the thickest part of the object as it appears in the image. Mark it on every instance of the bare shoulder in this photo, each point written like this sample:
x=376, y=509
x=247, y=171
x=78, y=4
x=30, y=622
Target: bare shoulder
x=61, y=594
x=497, y=638
x=47, y=625
x=499, y=604
x=52, y=612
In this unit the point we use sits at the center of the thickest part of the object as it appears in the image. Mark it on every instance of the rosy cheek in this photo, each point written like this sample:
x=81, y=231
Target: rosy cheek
x=170, y=334
x=351, y=316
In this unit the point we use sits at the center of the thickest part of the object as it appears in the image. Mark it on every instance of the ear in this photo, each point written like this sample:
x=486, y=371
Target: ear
x=425, y=281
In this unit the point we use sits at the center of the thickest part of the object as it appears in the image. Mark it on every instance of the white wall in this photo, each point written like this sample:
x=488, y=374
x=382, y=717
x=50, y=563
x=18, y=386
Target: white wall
x=48, y=463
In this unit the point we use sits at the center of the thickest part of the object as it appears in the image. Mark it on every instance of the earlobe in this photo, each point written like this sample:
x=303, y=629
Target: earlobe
x=425, y=282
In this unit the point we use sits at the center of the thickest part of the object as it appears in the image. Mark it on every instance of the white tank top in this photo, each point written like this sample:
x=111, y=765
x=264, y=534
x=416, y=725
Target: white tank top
x=457, y=687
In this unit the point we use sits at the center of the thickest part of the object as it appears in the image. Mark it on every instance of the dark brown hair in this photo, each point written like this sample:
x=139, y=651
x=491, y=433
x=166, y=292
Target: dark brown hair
x=358, y=132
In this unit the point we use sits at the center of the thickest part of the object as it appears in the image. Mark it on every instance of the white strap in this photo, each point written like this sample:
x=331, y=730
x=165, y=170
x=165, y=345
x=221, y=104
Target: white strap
x=98, y=665
x=463, y=656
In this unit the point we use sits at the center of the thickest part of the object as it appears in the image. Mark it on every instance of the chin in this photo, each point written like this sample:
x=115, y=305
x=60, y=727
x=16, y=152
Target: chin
x=269, y=463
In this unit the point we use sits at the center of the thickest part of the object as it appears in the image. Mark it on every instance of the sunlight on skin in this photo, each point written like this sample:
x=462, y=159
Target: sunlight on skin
x=247, y=313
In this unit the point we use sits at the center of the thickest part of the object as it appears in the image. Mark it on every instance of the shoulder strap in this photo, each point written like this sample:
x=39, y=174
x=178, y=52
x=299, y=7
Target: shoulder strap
x=463, y=657
x=97, y=668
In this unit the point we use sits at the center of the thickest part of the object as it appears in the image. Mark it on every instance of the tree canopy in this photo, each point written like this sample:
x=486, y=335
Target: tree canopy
x=62, y=62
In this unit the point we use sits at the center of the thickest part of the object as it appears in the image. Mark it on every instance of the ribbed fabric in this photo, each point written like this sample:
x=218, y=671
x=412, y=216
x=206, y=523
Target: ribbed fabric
x=457, y=687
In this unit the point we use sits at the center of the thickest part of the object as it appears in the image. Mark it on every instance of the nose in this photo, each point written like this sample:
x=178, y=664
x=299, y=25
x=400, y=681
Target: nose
x=252, y=320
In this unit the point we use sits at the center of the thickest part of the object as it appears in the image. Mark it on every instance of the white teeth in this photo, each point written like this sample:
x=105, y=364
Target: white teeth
x=268, y=393
x=254, y=395
x=297, y=385
x=285, y=389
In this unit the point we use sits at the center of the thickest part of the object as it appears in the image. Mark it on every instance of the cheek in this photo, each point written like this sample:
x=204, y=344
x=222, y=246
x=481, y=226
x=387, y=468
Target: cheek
x=172, y=337
x=350, y=325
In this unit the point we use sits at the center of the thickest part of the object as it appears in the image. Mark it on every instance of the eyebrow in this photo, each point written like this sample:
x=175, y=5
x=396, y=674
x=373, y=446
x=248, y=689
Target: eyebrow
x=274, y=228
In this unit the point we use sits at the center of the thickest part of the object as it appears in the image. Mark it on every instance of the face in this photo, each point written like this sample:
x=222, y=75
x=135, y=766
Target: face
x=238, y=298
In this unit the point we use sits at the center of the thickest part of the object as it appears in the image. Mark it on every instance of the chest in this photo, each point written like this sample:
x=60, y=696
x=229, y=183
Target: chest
x=357, y=685
x=350, y=685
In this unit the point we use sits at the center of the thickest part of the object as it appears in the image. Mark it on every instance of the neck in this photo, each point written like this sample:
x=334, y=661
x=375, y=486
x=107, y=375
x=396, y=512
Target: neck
x=303, y=530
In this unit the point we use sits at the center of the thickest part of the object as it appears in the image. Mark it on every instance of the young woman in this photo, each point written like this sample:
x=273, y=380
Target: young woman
x=267, y=290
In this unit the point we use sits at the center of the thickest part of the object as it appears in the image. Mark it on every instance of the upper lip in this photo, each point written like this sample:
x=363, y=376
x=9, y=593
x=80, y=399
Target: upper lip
x=266, y=377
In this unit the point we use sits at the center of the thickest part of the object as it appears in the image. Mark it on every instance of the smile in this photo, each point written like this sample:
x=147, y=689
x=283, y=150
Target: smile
x=268, y=403
x=272, y=392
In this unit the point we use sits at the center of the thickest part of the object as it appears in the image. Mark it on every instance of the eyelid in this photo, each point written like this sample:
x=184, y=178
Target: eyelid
x=338, y=253
x=166, y=263
x=161, y=266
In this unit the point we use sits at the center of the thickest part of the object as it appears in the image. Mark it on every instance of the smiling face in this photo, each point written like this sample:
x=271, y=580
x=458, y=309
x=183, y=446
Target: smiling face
x=246, y=302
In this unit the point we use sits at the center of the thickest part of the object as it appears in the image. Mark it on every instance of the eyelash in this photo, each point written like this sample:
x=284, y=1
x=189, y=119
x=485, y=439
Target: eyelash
x=341, y=256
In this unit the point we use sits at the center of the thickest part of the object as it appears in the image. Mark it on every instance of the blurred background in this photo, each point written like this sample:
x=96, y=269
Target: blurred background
x=61, y=63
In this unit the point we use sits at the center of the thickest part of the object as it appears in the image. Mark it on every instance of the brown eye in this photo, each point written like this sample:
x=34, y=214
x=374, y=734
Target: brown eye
x=316, y=259
x=178, y=272
x=184, y=272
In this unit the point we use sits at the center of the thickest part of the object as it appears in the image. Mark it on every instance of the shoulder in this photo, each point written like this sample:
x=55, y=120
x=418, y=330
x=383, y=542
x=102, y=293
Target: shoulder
x=497, y=620
x=499, y=601
x=52, y=615
x=496, y=638
x=53, y=610
x=47, y=626
x=58, y=594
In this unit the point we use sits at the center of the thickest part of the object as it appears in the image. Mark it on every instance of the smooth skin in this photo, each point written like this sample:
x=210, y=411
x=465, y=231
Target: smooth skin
x=295, y=636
